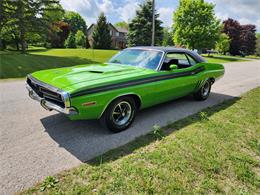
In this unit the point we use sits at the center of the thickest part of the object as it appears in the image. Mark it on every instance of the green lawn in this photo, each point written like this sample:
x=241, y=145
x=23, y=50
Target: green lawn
x=214, y=151
x=223, y=59
x=15, y=65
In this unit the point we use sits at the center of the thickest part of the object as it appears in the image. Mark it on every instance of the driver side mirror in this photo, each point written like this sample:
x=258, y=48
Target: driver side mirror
x=173, y=67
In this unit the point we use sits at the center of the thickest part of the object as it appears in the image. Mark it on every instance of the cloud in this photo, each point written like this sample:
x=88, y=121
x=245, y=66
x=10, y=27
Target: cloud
x=106, y=6
x=88, y=9
x=166, y=15
x=245, y=11
x=127, y=11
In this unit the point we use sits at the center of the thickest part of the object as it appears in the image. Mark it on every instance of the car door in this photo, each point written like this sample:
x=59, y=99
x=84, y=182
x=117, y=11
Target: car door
x=185, y=77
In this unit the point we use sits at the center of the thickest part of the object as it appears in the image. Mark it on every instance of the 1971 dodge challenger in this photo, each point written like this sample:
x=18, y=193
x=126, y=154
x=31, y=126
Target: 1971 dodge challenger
x=134, y=79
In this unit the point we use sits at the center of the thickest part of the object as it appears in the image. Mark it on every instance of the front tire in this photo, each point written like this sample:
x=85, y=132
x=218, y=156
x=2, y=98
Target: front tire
x=203, y=93
x=120, y=114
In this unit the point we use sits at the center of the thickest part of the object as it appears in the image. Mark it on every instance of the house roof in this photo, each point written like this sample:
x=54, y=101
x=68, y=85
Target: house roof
x=123, y=30
x=118, y=29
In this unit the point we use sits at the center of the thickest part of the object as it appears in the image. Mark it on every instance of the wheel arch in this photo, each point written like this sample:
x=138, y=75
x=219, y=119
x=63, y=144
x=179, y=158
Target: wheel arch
x=212, y=80
x=137, y=98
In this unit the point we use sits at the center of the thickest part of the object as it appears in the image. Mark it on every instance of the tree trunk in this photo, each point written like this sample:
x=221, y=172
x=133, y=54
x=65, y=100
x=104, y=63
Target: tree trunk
x=1, y=45
x=21, y=25
x=17, y=45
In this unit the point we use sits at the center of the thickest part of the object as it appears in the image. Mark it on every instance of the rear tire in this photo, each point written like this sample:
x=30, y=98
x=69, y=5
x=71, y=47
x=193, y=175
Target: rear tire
x=120, y=114
x=203, y=93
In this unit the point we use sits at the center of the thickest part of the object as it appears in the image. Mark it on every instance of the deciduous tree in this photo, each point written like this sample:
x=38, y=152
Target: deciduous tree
x=258, y=44
x=232, y=28
x=80, y=39
x=167, y=37
x=27, y=17
x=223, y=43
x=70, y=41
x=243, y=38
x=122, y=24
x=75, y=21
x=248, y=39
x=140, y=28
x=195, y=25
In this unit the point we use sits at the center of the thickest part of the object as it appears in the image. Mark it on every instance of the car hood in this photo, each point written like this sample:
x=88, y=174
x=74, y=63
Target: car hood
x=76, y=78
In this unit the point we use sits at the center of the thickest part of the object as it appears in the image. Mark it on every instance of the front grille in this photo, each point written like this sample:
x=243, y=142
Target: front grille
x=45, y=93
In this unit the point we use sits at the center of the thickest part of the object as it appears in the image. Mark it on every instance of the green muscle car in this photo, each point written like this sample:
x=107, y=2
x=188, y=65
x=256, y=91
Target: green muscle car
x=134, y=79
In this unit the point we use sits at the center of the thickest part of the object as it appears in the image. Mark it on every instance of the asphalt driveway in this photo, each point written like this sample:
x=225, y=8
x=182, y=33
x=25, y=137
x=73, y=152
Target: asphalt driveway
x=35, y=143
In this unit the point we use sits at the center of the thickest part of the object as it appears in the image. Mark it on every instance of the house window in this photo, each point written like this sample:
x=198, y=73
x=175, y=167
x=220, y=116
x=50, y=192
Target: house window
x=111, y=32
x=117, y=34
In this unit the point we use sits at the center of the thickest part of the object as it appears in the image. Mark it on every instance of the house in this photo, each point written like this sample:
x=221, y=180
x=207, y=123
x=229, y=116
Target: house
x=118, y=36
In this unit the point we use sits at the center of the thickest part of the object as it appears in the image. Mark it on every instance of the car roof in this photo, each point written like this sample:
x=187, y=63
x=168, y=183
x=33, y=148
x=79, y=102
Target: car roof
x=195, y=55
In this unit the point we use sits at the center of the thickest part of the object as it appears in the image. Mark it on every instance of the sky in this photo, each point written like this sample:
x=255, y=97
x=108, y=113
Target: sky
x=245, y=11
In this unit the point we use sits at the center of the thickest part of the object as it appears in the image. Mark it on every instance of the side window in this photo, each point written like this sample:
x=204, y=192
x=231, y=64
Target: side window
x=183, y=62
x=192, y=61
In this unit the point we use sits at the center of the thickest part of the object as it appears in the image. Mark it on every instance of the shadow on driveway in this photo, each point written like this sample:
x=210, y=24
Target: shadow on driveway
x=87, y=139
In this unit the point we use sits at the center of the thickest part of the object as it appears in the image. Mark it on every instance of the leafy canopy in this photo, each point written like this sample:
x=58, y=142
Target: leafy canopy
x=167, y=37
x=140, y=28
x=258, y=44
x=243, y=37
x=75, y=21
x=70, y=41
x=195, y=25
x=122, y=24
x=23, y=19
x=101, y=34
x=80, y=39
x=223, y=43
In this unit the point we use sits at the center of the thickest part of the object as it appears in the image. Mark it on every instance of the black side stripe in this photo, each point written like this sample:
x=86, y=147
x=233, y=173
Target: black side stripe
x=137, y=82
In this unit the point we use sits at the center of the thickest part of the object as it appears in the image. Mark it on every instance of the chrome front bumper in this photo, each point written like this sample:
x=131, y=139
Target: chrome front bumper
x=48, y=105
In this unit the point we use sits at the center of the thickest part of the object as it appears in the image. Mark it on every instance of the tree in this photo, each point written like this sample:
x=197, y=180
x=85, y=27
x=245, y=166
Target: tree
x=248, y=39
x=58, y=32
x=80, y=39
x=54, y=15
x=70, y=41
x=101, y=34
x=27, y=17
x=140, y=28
x=167, y=37
x=232, y=28
x=195, y=25
x=223, y=43
x=75, y=21
x=258, y=44
x=242, y=37
x=122, y=24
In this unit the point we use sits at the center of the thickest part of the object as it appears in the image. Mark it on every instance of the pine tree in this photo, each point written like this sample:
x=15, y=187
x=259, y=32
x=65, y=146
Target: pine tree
x=101, y=34
x=140, y=28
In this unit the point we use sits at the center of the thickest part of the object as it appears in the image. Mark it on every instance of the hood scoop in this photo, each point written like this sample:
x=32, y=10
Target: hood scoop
x=95, y=71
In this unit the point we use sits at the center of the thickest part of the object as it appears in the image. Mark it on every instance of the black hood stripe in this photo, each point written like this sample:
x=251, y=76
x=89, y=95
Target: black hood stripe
x=136, y=82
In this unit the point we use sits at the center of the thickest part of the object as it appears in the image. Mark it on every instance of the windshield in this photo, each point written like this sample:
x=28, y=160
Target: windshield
x=137, y=57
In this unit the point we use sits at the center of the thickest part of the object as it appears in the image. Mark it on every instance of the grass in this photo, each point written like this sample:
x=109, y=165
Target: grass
x=214, y=151
x=253, y=57
x=14, y=64
x=223, y=59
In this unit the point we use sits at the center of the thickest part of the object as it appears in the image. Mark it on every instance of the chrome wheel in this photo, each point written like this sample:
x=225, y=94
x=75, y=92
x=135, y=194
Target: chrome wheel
x=206, y=89
x=122, y=113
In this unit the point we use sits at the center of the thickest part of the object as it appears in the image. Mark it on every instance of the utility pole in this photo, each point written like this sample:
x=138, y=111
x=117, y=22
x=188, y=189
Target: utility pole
x=153, y=30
